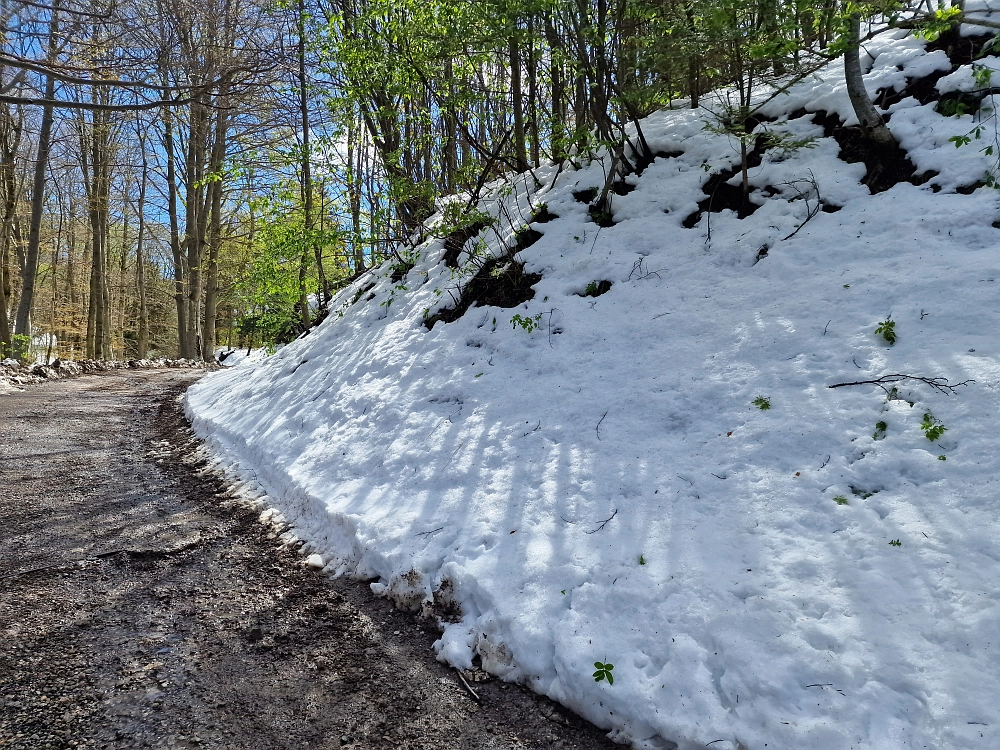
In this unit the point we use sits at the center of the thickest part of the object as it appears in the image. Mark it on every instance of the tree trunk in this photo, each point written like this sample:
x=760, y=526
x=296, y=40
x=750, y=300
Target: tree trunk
x=871, y=121
x=180, y=275
x=323, y=291
x=142, y=337
x=22, y=321
x=517, y=101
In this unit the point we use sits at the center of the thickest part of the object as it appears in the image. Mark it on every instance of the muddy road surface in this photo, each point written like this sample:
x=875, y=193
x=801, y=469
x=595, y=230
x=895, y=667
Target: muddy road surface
x=139, y=608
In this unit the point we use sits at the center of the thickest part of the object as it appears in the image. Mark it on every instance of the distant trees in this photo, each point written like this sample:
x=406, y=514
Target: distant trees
x=178, y=173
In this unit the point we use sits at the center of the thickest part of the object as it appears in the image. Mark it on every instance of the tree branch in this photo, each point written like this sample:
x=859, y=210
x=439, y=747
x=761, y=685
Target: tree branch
x=941, y=385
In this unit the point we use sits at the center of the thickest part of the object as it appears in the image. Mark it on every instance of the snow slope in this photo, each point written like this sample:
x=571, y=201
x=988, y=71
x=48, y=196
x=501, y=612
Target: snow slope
x=602, y=488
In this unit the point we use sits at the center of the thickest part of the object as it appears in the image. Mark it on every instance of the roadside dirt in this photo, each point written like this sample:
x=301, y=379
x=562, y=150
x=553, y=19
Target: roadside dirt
x=140, y=609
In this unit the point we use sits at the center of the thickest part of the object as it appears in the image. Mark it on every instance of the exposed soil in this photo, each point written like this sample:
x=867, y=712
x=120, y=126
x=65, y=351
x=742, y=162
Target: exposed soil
x=720, y=195
x=140, y=606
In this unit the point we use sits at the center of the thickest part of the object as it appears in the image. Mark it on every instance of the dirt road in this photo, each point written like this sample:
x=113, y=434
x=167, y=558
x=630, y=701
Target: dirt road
x=137, y=609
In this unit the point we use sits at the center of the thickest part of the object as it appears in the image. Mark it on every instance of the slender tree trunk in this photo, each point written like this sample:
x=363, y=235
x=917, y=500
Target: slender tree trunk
x=517, y=101
x=323, y=291
x=214, y=228
x=180, y=275
x=533, y=95
x=871, y=121
x=22, y=321
x=142, y=337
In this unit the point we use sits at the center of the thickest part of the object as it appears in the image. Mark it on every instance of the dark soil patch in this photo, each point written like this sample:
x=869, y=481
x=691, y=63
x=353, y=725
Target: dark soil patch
x=455, y=242
x=542, y=215
x=830, y=208
x=887, y=165
x=961, y=50
x=642, y=160
x=601, y=216
x=399, y=271
x=924, y=90
x=586, y=195
x=526, y=238
x=362, y=292
x=597, y=288
x=969, y=189
x=622, y=188
x=721, y=195
x=501, y=282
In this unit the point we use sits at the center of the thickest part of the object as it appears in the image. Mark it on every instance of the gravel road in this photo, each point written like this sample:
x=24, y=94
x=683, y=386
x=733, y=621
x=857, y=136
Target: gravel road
x=139, y=608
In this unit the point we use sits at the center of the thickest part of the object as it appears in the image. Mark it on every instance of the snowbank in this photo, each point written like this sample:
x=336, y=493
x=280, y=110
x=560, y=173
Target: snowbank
x=603, y=488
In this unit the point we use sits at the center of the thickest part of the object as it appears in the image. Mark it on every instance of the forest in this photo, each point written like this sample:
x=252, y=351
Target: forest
x=180, y=176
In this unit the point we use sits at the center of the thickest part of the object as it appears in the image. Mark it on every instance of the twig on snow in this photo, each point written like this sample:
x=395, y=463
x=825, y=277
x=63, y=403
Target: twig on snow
x=432, y=531
x=603, y=523
x=598, y=428
x=941, y=385
x=536, y=428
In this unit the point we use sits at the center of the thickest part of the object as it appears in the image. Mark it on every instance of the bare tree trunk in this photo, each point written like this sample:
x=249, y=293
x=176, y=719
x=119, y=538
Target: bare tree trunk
x=871, y=121
x=517, y=100
x=180, y=275
x=22, y=321
x=214, y=229
x=142, y=337
x=323, y=291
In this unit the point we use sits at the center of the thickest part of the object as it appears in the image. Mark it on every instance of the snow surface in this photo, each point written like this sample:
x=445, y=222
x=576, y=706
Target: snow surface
x=602, y=488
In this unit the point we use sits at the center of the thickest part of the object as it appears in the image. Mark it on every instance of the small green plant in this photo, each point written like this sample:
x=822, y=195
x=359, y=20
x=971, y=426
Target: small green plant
x=952, y=108
x=896, y=543
x=762, y=402
x=942, y=458
x=847, y=286
x=591, y=290
x=479, y=375
x=528, y=324
x=840, y=500
x=932, y=428
x=887, y=329
x=604, y=672
x=564, y=592
x=880, y=428
x=642, y=560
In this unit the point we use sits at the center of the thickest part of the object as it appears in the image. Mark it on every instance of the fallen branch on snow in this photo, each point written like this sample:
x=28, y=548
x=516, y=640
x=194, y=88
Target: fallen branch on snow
x=938, y=384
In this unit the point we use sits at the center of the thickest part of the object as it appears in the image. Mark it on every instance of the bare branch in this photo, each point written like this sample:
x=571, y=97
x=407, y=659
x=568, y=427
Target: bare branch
x=941, y=385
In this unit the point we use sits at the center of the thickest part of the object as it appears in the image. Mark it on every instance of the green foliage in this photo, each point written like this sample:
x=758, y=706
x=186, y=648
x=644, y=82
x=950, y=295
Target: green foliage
x=603, y=672
x=933, y=429
x=762, y=402
x=952, y=108
x=896, y=543
x=841, y=500
x=942, y=458
x=887, y=329
x=19, y=346
x=528, y=324
x=880, y=428
x=931, y=27
x=267, y=290
x=642, y=560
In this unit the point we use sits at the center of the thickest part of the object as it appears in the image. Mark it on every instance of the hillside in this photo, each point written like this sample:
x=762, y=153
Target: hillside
x=590, y=475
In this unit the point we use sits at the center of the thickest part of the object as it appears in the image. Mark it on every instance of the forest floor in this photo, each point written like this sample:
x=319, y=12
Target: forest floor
x=138, y=609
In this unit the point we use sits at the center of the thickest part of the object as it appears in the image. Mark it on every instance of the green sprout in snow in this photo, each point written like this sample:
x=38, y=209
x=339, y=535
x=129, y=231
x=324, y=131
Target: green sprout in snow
x=604, y=672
